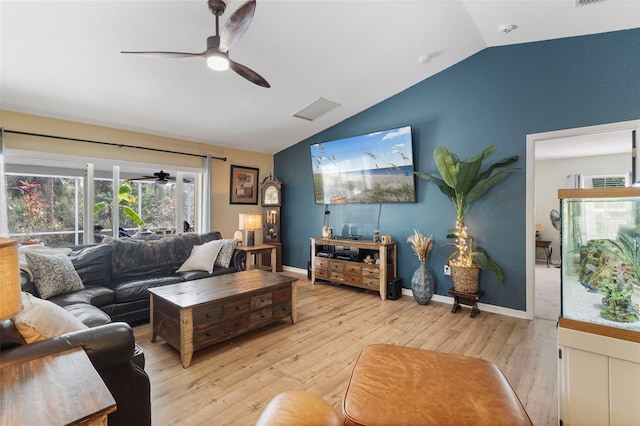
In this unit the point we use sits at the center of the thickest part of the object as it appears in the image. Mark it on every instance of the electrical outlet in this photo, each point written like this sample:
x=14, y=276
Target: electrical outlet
x=447, y=270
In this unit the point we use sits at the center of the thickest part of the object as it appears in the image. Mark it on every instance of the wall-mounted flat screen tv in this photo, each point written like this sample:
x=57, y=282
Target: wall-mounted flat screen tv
x=372, y=168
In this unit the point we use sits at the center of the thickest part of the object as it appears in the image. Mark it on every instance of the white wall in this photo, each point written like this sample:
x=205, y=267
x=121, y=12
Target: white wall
x=551, y=175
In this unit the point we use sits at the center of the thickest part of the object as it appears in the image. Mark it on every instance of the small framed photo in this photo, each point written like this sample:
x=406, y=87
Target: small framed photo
x=244, y=185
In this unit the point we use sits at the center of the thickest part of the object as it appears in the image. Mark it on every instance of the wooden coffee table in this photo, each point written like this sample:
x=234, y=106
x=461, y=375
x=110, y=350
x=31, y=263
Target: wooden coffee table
x=195, y=314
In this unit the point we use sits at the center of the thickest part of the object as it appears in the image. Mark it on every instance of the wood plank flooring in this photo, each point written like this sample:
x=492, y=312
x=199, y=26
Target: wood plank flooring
x=230, y=383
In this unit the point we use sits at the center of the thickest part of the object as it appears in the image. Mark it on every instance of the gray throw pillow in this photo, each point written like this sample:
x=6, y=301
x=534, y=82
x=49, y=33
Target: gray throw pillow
x=53, y=274
x=226, y=252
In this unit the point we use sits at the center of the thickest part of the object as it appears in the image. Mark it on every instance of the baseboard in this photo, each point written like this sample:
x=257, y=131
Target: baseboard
x=443, y=299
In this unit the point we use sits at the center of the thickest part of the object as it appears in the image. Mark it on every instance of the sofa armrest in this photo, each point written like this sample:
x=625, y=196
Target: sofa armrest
x=239, y=260
x=106, y=345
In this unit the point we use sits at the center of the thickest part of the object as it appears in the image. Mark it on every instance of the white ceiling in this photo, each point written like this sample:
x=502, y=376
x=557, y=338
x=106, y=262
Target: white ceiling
x=61, y=59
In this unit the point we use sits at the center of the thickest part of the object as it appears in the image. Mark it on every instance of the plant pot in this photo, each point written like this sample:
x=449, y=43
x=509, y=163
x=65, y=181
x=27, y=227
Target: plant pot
x=465, y=278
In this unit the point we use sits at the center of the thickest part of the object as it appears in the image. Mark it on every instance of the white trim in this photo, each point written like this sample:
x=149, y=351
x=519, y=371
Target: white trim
x=530, y=194
x=443, y=299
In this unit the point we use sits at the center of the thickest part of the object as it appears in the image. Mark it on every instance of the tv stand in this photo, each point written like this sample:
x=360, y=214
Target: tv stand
x=356, y=273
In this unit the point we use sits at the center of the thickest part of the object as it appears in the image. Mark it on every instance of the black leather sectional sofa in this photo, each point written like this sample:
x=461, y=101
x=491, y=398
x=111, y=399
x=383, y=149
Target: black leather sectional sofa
x=117, y=275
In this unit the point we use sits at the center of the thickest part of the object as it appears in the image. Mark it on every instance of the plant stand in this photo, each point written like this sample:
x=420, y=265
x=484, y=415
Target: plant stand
x=469, y=299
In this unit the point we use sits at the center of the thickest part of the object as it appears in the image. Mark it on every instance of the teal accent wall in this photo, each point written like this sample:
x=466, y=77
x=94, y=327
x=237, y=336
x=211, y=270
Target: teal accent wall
x=496, y=96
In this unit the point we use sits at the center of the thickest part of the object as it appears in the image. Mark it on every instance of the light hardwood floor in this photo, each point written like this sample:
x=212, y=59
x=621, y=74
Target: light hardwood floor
x=230, y=383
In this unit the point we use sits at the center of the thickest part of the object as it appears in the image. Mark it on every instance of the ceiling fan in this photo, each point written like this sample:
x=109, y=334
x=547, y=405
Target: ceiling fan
x=159, y=177
x=217, y=53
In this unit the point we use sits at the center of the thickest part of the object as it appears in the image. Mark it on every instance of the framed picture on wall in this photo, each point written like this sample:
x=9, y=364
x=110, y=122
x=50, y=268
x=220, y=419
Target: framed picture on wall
x=244, y=185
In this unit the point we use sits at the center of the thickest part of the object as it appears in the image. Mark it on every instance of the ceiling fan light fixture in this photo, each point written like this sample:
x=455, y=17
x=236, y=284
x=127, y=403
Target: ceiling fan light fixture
x=218, y=61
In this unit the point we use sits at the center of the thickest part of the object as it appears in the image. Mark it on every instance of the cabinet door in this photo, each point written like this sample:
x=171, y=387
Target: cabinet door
x=585, y=388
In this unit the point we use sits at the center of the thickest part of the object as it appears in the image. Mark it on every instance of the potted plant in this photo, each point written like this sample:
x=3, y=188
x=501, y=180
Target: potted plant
x=464, y=182
x=422, y=279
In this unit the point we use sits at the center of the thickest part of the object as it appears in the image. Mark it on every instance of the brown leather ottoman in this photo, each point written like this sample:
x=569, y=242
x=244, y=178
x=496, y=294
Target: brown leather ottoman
x=395, y=385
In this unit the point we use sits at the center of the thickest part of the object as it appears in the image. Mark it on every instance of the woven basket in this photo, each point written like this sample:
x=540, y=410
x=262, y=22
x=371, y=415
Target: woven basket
x=465, y=278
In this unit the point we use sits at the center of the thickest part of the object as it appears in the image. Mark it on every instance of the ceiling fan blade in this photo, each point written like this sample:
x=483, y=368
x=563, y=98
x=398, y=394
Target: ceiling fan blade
x=143, y=178
x=237, y=24
x=249, y=74
x=164, y=54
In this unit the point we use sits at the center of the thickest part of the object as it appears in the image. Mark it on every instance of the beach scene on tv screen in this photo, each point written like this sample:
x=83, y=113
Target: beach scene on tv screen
x=372, y=168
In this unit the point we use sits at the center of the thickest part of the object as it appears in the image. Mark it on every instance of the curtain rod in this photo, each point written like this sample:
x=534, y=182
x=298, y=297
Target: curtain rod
x=119, y=145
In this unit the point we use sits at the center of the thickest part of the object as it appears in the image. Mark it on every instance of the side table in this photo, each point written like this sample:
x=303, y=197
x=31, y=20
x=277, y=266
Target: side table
x=546, y=246
x=58, y=389
x=469, y=299
x=259, y=249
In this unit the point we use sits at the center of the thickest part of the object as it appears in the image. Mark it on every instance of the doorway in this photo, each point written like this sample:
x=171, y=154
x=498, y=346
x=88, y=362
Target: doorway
x=564, y=144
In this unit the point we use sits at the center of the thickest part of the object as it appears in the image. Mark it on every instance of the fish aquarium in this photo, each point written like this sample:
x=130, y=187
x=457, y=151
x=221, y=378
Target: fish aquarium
x=600, y=246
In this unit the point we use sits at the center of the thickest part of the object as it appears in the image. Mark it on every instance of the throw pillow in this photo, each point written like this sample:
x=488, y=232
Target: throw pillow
x=202, y=257
x=53, y=274
x=226, y=252
x=41, y=319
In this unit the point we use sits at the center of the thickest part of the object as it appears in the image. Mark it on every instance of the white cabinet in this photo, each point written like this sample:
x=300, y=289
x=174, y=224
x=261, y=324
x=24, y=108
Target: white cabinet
x=600, y=379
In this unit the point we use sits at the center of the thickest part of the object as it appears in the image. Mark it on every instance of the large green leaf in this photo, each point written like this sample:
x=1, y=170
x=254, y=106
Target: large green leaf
x=444, y=188
x=133, y=215
x=486, y=184
x=447, y=166
x=498, y=164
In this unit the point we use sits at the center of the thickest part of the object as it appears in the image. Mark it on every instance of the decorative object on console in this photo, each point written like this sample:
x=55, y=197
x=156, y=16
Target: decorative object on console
x=249, y=223
x=539, y=229
x=453, y=172
x=243, y=185
x=422, y=279
x=386, y=239
x=10, y=303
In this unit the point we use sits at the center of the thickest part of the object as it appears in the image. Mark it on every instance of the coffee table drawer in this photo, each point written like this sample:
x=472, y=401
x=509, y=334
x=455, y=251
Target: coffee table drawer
x=282, y=295
x=282, y=310
x=261, y=300
x=236, y=308
x=261, y=316
x=233, y=325
x=206, y=336
x=206, y=315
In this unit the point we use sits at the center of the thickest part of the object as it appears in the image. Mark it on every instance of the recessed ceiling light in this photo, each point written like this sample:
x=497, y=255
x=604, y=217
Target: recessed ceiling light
x=506, y=28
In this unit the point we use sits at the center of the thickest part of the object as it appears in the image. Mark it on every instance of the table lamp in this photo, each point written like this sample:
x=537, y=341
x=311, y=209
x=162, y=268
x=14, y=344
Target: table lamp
x=249, y=223
x=10, y=301
x=539, y=229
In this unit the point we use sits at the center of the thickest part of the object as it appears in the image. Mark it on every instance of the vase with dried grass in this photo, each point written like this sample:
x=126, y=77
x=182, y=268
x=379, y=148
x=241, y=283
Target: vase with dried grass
x=422, y=280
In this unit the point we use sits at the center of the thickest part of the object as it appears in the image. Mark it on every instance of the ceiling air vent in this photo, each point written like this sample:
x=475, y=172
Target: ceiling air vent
x=618, y=180
x=316, y=109
x=587, y=2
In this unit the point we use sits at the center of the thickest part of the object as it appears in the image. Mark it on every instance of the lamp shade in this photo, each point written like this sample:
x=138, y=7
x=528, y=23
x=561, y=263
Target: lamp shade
x=250, y=221
x=10, y=302
x=539, y=227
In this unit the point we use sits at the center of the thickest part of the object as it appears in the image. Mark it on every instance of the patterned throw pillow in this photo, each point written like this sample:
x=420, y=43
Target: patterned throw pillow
x=41, y=319
x=53, y=274
x=226, y=252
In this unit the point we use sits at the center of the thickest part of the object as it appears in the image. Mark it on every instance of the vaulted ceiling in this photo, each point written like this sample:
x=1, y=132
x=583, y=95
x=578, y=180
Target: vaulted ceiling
x=62, y=59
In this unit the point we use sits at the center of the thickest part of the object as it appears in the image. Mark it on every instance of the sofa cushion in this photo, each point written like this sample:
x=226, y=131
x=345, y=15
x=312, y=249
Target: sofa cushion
x=41, y=319
x=93, y=295
x=136, y=289
x=226, y=252
x=88, y=315
x=53, y=274
x=202, y=257
x=132, y=257
x=93, y=264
